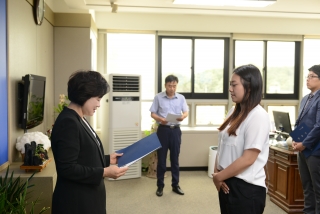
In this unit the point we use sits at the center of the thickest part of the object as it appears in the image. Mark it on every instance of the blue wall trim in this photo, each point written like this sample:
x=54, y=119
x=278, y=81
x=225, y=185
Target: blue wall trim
x=3, y=84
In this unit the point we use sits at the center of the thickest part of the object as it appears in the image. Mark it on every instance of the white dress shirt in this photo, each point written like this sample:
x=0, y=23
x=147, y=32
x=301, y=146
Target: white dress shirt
x=253, y=132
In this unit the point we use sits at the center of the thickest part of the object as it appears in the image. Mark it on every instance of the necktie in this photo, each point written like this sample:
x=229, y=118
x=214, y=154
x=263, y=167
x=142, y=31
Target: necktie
x=304, y=107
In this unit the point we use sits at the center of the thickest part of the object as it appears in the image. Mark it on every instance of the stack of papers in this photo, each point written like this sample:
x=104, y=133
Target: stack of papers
x=173, y=118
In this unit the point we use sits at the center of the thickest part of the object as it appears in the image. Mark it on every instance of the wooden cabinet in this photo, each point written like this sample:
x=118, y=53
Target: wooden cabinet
x=283, y=180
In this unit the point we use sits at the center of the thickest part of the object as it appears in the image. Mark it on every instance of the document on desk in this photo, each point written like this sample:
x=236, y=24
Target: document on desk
x=138, y=150
x=173, y=117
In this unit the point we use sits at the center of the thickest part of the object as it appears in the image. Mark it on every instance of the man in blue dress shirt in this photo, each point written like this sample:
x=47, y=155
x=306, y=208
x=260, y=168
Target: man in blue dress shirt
x=169, y=133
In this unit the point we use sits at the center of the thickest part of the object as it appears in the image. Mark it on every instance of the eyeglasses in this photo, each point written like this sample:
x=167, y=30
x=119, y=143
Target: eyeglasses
x=311, y=76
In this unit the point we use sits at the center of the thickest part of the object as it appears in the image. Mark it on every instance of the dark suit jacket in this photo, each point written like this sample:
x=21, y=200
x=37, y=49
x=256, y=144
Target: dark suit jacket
x=311, y=117
x=80, y=160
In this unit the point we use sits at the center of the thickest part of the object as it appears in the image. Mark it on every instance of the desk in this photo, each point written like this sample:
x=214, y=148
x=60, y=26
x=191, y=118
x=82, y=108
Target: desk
x=284, y=184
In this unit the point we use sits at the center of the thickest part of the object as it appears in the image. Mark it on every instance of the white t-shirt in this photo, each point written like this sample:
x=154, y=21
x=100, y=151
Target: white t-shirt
x=252, y=133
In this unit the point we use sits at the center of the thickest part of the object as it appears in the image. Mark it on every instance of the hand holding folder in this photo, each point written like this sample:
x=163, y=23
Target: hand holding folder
x=299, y=134
x=138, y=150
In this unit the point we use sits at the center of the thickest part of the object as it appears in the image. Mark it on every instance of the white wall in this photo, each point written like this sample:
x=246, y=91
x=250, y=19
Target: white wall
x=30, y=51
x=207, y=23
x=72, y=51
x=194, y=151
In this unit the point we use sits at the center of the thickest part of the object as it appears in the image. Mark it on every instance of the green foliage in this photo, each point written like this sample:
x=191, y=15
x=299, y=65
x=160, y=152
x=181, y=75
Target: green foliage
x=60, y=107
x=147, y=132
x=41, y=153
x=280, y=80
x=64, y=101
x=153, y=129
x=13, y=195
x=35, y=108
x=207, y=81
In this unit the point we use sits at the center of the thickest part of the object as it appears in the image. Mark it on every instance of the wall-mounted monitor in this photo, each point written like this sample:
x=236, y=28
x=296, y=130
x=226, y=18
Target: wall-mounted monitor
x=31, y=96
x=282, y=122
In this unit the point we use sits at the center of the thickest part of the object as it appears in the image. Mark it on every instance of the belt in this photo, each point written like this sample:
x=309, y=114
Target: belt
x=170, y=126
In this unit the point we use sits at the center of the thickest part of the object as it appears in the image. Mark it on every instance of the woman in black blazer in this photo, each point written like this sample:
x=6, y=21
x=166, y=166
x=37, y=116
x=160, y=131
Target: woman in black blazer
x=78, y=152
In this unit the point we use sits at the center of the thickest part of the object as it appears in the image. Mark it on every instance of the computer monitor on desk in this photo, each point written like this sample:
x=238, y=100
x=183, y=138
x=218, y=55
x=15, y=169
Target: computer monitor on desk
x=282, y=124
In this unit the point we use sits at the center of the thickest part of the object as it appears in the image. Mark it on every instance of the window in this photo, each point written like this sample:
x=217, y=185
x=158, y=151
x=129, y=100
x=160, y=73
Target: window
x=249, y=52
x=146, y=119
x=130, y=53
x=278, y=62
x=310, y=58
x=280, y=68
x=201, y=64
x=210, y=115
x=186, y=122
x=133, y=54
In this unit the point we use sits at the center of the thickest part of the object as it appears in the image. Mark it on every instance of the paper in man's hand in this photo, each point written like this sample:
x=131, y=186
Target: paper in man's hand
x=173, y=118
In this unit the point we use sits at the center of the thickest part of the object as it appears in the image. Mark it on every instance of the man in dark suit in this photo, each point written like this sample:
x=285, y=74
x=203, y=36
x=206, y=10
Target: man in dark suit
x=78, y=152
x=309, y=149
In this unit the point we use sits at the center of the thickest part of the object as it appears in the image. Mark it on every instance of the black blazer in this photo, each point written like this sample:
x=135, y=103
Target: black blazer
x=80, y=160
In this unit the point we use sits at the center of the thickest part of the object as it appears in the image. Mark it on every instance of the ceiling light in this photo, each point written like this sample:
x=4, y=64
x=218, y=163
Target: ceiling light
x=236, y=3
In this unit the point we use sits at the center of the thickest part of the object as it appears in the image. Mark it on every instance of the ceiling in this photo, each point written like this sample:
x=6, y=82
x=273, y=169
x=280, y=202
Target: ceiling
x=282, y=8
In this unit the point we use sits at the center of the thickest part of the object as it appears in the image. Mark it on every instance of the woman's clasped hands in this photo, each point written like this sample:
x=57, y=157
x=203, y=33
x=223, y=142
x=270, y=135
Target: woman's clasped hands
x=220, y=184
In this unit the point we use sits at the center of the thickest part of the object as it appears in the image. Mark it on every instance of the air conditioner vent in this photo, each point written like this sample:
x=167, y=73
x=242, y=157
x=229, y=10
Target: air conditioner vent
x=125, y=84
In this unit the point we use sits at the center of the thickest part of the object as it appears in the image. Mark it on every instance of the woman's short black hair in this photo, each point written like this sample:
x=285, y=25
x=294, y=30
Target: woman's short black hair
x=83, y=85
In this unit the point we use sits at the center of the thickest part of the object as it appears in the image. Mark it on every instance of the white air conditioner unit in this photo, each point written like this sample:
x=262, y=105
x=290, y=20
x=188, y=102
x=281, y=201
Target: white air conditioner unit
x=125, y=116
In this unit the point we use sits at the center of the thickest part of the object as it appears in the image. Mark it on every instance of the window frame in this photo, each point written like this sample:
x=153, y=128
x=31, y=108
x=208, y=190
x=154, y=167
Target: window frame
x=192, y=94
x=296, y=82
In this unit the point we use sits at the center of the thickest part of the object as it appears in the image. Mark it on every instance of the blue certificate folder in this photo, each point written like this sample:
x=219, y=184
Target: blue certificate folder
x=138, y=150
x=299, y=134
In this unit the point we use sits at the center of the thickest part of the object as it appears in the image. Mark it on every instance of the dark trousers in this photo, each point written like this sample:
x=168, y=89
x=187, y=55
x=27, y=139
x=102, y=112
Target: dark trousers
x=169, y=139
x=242, y=198
x=309, y=169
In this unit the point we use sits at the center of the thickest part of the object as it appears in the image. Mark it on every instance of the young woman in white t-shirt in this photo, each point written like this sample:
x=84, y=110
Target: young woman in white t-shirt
x=243, y=148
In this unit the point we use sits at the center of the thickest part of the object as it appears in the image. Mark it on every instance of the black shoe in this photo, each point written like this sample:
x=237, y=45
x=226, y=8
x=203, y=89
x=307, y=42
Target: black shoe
x=177, y=190
x=159, y=191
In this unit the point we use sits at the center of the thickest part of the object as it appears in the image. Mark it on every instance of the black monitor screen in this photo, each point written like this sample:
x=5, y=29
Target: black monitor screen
x=282, y=121
x=31, y=96
x=35, y=102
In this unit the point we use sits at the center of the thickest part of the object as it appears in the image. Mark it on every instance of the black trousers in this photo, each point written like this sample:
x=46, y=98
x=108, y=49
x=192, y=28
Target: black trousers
x=309, y=169
x=170, y=139
x=243, y=198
